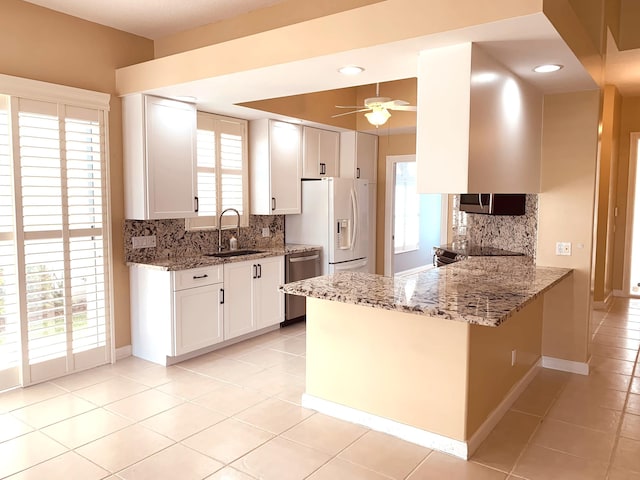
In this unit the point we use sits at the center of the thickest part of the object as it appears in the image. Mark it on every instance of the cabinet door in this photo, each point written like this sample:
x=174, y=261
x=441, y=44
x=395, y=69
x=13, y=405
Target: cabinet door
x=321, y=153
x=238, y=299
x=311, y=154
x=170, y=129
x=268, y=301
x=198, y=318
x=286, y=165
x=366, y=156
x=330, y=153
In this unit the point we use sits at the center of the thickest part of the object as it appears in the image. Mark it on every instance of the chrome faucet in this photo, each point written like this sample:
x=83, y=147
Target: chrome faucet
x=220, y=227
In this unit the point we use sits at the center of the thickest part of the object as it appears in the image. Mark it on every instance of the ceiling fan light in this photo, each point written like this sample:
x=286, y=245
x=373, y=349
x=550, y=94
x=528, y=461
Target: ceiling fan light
x=378, y=116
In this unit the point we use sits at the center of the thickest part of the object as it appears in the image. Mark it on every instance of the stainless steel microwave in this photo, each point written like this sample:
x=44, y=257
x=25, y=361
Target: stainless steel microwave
x=493, y=203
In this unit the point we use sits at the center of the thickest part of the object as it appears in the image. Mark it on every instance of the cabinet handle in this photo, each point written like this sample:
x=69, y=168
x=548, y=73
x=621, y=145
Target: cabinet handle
x=221, y=296
x=323, y=169
x=259, y=271
x=196, y=277
x=273, y=203
x=197, y=204
x=358, y=172
x=255, y=271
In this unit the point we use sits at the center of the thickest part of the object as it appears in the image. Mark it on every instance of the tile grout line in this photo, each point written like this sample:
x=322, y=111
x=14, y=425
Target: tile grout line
x=621, y=421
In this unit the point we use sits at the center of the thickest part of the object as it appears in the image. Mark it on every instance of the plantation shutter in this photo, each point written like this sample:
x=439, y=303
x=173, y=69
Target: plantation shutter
x=222, y=171
x=61, y=189
x=10, y=353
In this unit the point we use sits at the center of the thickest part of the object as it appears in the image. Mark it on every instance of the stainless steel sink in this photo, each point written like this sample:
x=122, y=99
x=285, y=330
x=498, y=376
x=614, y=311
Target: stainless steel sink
x=232, y=253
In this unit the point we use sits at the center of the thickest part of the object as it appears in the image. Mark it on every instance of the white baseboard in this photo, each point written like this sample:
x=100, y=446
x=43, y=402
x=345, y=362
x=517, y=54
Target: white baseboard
x=604, y=305
x=570, y=366
x=411, y=434
x=123, y=352
x=492, y=420
x=424, y=438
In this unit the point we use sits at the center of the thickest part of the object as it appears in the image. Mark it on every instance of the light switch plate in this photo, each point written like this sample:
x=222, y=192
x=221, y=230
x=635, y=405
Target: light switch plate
x=266, y=232
x=563, y=248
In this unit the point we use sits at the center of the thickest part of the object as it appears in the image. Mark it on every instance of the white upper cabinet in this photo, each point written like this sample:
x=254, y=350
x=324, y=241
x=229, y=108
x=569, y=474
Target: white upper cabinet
x=479, y=126
x=320, y=153
x=159, y=158
x=275, y=167
x=359, y=156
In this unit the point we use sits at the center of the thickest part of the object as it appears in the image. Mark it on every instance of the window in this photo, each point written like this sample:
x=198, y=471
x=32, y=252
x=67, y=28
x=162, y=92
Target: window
x=222, y=171
x=407, y=209
x=54, y=277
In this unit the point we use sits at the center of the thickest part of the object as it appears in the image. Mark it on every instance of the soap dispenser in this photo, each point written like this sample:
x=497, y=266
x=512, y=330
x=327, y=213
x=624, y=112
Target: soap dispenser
x=233, y=243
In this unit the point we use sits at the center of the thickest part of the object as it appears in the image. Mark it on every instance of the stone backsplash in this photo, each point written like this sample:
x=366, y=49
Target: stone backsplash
x=172, y=239
x=517, y=233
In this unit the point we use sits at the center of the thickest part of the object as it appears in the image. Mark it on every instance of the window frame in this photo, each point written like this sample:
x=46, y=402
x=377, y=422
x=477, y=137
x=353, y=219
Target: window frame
x=212, y=122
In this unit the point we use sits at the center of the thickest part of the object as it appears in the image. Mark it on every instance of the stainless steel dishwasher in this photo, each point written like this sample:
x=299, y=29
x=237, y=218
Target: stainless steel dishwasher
x=299, y=266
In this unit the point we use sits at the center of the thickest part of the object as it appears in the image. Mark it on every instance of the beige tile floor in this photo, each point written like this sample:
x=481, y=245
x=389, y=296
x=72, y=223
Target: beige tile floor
x=235, y=415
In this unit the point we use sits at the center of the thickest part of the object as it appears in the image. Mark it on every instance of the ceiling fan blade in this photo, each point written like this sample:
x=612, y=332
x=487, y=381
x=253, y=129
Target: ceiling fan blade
x=348, y=106
x=394, y=103
x=405, y=108
x=349, y=113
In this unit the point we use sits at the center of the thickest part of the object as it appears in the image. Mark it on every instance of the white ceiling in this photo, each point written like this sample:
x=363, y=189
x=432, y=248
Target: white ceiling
x=154, y=18
x=519, y=43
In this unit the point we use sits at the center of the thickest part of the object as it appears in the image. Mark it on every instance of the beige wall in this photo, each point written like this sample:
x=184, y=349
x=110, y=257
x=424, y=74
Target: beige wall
x=491, y=375
x=606, y=194
x=415, y=374
x=44, y=45
x=279, y=15
x=629, y=123
x=577, y=28
x=566, y=207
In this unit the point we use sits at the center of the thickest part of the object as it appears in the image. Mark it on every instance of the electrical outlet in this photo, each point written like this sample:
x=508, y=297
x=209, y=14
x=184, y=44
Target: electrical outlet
x=148, y=241
x=563, y=248
x=266, y=232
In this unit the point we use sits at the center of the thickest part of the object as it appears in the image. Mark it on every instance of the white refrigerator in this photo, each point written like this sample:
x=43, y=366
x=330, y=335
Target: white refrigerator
x=335, y=215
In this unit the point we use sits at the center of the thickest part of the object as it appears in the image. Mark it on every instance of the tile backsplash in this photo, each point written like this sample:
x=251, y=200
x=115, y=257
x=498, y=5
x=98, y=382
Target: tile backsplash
x=172, y=239
x=517, y=233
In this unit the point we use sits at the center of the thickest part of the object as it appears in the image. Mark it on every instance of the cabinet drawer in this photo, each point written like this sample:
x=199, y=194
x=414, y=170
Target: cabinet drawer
x=196, y=277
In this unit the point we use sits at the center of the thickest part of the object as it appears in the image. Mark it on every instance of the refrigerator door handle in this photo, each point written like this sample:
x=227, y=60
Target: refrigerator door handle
x=354, y=205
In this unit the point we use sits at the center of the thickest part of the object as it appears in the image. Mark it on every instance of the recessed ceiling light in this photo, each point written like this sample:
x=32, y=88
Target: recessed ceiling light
x=351, y=70
x=547, y=68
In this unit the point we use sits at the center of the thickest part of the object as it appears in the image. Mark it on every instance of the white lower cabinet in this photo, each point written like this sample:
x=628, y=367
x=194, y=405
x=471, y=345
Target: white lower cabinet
x=198, y=318
x=176, y=313
x=251, y=297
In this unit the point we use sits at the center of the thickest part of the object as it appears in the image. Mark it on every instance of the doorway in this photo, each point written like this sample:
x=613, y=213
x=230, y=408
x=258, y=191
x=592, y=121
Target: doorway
x=632, y=236
x=414, y=223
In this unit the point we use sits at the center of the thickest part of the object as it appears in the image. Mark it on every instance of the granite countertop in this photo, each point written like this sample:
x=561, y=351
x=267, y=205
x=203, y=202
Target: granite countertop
x=185, y=263
x=480, y=290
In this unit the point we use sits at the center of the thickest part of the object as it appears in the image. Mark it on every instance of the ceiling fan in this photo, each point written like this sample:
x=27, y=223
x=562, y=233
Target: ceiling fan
x=378, y=108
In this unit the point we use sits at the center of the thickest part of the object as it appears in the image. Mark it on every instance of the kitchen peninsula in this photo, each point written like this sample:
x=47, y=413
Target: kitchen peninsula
x=435, y=357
